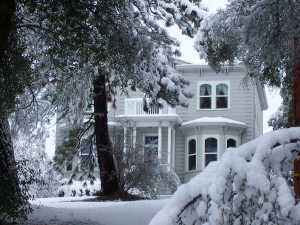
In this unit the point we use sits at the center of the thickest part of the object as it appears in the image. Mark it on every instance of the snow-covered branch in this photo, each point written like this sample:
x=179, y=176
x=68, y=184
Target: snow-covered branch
x=249, y=184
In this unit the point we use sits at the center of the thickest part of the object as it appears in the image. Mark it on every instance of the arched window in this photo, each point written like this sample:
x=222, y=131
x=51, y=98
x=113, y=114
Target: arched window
x=192, y=155
x=231, y=143
x=222, y=96
x=211, y=150
x=205, y=96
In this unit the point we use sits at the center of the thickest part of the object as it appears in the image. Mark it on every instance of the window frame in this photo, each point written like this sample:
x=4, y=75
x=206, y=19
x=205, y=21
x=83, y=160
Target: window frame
x=204, y=137
x=188, y=139
x=213, y=95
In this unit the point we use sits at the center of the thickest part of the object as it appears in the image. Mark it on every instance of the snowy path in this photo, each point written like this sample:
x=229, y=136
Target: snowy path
x=53, y=211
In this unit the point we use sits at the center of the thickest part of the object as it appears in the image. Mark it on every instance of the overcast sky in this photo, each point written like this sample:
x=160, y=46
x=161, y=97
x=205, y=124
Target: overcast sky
x=190, y=55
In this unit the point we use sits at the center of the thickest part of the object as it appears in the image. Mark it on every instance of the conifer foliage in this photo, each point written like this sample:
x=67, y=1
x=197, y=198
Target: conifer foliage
x=129, y=50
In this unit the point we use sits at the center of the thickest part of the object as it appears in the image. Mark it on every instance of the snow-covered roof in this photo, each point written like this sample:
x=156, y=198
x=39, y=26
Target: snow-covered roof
x=203, y=66
x=217, y=121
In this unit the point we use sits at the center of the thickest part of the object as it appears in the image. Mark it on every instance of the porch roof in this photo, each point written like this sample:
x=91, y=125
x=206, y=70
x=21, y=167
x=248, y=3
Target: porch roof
x=214, y=121
x=153, y=118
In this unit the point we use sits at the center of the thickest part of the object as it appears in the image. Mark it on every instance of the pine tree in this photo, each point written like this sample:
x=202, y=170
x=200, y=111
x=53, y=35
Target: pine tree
x=129, y=50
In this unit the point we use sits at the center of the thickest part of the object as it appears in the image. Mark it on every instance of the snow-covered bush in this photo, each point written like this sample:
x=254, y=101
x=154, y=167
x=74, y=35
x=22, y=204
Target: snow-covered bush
x=139, y=170
x=78, y=188
x=248, y=185
x=36, y=165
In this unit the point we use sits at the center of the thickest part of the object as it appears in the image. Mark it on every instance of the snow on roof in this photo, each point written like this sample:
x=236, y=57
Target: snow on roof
x=212, y=121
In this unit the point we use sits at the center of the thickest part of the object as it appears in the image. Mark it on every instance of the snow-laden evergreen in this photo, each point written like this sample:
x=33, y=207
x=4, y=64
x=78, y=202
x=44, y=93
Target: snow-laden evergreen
x=258, y=34
x=248, y=185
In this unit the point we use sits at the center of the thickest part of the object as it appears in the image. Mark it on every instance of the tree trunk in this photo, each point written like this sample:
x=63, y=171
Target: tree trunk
x=108, y=175
x=296, y=113
x=7, y=158
x=7, y=9
x=10, y=194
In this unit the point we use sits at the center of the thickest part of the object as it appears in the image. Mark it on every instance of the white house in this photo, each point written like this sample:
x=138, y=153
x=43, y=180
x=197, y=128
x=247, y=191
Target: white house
x=222, y=114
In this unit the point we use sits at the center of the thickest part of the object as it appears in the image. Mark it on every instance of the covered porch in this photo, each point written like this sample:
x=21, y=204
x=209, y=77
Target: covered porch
x=159, y=124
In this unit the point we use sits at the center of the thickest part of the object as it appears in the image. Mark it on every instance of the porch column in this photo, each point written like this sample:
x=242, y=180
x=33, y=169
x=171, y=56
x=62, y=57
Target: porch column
x=169, y=143
x=125, y=137
x=159, y=142
x=173, y=148
x=134, y=135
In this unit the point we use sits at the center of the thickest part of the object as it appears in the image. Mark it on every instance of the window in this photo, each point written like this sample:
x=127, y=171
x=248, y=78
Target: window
x=205, y=96
x=85, y=148
x=222, y=96
x=213, y=95
x=211, y=150
x=151, y=145
x=231, y=143
x=69, y=163
x=192, y=155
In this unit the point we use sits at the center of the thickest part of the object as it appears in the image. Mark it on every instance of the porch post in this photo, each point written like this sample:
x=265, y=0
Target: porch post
x=159, y=142
x=169, y=144
x=173, y=148
x=125, y=137
x=134, y=135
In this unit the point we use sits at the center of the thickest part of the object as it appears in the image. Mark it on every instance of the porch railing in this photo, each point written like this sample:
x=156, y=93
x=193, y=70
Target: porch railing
x=134, y=106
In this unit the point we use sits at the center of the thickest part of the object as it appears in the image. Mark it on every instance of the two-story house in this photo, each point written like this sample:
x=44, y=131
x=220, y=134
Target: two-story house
x=222, y=114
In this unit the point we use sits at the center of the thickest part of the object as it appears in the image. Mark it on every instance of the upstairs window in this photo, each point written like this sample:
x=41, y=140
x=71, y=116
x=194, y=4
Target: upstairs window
x=205, y=96
x=222, y=96
x=213, y=95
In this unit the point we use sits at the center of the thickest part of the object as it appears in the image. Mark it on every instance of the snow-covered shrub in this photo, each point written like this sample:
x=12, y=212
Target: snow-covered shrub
x=78, y=188
x=248, y=185
x=140, y=171
x=37, y=165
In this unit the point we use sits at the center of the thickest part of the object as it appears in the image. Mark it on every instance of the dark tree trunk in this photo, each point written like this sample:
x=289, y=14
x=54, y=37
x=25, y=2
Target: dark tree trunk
x=7, y=158
x=296, y=112
x=10, y=194
x=7, y=9
x=108, y=175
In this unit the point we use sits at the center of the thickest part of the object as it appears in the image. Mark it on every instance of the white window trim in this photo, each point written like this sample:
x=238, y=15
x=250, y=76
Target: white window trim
x=213, y=95
x=204, y=137
x=187, y=153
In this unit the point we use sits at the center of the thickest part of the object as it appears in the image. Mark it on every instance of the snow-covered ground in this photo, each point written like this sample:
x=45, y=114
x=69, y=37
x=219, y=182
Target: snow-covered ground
x=68, y=210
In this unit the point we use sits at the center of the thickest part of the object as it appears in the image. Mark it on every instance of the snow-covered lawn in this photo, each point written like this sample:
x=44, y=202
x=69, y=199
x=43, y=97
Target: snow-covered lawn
x=68, y=210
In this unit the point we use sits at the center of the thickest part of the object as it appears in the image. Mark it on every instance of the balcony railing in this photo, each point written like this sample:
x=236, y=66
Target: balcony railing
x=134, y=106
